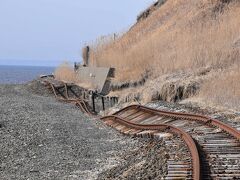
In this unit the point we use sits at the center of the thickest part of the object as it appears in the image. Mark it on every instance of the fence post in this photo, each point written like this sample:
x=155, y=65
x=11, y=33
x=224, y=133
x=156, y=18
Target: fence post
x=103, y=105
x=84, y=94
x=93, y=101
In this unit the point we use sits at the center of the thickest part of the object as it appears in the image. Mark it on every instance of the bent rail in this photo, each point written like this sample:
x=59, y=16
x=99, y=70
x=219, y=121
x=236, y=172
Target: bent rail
x=78, y=102
x=193, y=117
x=122, y=121
x=161, y=127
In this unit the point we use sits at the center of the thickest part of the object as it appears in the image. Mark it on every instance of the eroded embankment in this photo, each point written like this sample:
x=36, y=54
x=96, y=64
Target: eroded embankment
x=170, y=87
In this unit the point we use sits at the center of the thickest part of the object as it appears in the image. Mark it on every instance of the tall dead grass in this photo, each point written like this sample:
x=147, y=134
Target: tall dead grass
x=64, y=72
x=223, y=90
x=181, y=35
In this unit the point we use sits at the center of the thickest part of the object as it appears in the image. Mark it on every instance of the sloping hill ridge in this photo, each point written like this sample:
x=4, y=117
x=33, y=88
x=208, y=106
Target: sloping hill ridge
x=177, y=49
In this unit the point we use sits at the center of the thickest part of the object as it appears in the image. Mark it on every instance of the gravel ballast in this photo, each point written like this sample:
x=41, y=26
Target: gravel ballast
x=41, y=138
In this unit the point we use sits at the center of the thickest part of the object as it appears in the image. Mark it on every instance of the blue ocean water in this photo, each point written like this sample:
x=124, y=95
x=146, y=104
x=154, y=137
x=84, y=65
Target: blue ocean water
x=22, y=74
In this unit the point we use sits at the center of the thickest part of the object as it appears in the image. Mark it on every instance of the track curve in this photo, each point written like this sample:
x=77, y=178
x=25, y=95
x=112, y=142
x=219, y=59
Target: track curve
x=234, y=132
x=216, y=156
x=218, y=143
x=163, y=127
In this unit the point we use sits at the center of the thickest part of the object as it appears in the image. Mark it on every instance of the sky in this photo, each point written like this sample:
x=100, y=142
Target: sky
x=48, y=32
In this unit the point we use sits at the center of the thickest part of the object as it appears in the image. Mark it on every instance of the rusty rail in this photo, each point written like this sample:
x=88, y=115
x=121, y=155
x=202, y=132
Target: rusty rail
x=186, y=137
x=116, y=117
x=162, y=127
x=142, y=114
x=192, y=117
x=65, y=98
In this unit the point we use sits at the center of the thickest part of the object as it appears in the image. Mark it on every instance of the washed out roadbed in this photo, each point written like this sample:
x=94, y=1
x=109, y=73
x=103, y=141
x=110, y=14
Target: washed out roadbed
x=41, y=138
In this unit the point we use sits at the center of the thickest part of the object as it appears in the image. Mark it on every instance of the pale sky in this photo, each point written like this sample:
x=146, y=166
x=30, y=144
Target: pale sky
x=47, y=32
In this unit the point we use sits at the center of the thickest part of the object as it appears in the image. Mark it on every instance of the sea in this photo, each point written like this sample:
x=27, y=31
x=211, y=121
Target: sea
x=22, y=74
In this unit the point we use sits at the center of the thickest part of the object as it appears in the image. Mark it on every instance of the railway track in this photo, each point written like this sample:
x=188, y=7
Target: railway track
x=211, y=148
x=61, y=93
x=218, y=144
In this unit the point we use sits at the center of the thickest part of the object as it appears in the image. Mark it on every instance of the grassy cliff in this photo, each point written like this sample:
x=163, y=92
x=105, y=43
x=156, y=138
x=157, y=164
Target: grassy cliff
x=189, y=43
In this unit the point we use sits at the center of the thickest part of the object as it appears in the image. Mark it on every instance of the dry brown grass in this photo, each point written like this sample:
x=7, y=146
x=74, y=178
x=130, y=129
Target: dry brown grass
x=223, y=90
x=64, y=72
x=181, y=35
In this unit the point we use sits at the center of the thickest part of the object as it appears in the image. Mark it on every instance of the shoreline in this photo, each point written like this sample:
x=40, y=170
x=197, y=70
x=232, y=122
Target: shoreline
x=22, y=74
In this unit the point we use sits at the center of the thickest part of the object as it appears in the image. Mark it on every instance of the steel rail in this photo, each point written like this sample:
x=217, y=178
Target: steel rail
x=156, y=127
x=186, y=137
x=54, y=90
x=78, y=102
x=79, y=105
x=162, y=127
x=192, y=117
x=83, y=105
x=66, y=91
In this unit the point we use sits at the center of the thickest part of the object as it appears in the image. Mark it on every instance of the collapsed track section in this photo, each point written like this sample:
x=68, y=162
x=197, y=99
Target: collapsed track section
x=61, y=92
x=218, y=143
x=213, y=147
x=189, y=169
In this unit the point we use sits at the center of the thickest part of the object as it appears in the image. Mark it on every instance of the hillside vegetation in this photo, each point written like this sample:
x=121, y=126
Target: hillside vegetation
x=176, y=36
